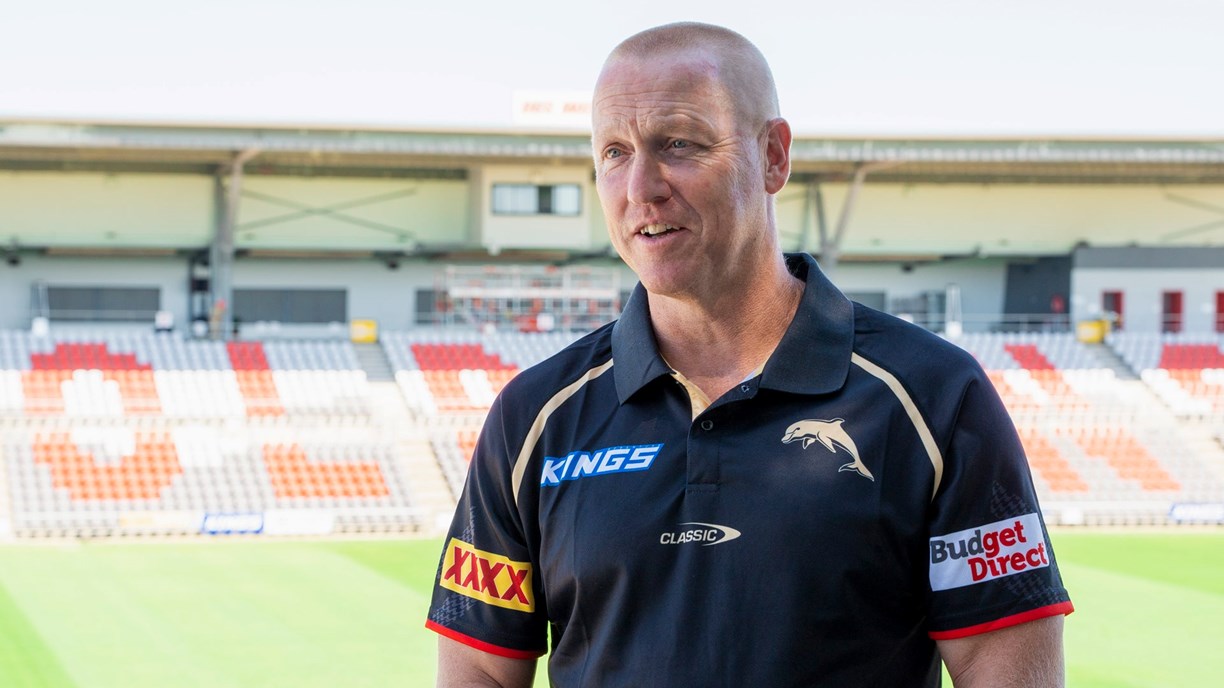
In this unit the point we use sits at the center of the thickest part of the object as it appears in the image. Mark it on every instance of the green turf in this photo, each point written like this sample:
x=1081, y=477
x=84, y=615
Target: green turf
x=25, y=660
x=335, y=614
x=1149, y=609
x=218, y=614
x=1190, y=559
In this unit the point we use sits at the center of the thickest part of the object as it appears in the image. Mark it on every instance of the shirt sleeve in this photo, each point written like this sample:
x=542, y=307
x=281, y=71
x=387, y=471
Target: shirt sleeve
x=486, y=592
x=991, y=564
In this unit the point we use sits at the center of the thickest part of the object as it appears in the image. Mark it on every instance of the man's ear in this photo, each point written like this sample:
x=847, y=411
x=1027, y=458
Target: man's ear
x=777, y=154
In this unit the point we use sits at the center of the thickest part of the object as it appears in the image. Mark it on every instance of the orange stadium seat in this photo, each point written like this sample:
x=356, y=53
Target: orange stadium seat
x=499, y=378
x=44, y=383
x=259, y=392
x=467, y=442
x=93, y=427
x=43, y=395
x=1049, y=463
x=293, y=475
x=1126, y=456
x=147, y=471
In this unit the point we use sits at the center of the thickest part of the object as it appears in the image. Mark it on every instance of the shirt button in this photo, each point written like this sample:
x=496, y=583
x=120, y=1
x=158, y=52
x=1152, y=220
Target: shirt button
x=707, y=425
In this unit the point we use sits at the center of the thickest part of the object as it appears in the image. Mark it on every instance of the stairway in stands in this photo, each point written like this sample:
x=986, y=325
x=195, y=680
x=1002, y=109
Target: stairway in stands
x=431, y=495
x=373, y=360
x=1201, y=438
x=1108, y=358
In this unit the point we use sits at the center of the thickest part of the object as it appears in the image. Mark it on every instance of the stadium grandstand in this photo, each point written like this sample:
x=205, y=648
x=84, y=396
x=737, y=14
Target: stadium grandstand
x=299, y=331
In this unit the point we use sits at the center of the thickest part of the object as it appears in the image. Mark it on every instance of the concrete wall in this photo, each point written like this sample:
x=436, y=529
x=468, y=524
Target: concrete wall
x=106, y=210
x=63, y=209
x=279, y=212
x=167, y=274
x=354, y=214
x=1142, y=291
x=1142, y=275
x=982, y=284
x=572, y=232
x=1017, y=219
x=389, y=295
x=178, y=211
x=374, y=291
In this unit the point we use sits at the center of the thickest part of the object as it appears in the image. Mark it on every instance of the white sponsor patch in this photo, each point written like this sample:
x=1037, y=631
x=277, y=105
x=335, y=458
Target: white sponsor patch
x=232, y=523
x=988, y=552
x=1197, y=511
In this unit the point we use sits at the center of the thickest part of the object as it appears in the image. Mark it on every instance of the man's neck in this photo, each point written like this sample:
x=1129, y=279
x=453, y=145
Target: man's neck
x=716, y=344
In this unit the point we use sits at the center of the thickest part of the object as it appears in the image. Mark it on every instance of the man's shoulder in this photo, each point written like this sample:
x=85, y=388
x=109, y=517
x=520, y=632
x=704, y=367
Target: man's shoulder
x=905, y=349
x=536, y=384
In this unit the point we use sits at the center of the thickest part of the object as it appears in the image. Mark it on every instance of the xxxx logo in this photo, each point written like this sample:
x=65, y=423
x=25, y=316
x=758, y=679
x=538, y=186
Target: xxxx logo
x=490, y=578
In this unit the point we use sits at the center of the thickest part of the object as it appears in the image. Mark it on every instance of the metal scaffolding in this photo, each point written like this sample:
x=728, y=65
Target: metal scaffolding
x=529, y=298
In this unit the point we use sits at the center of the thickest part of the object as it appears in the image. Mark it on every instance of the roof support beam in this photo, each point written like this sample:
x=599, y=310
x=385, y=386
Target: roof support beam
x=221, y=320
x=830, y=246
x=813, y=213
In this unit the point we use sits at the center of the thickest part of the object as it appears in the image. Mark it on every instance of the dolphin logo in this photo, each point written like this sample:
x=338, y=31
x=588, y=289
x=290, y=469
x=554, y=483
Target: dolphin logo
x=831, y=434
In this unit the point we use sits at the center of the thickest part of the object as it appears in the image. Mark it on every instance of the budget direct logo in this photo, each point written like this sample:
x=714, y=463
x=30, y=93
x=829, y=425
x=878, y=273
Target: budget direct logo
x=995, y=550
x=488, y=577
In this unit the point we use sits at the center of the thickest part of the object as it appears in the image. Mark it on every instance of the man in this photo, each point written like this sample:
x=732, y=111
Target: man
x=747, y=480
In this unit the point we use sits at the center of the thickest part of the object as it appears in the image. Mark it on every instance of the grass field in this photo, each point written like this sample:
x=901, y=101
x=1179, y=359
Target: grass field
x=1150, y=612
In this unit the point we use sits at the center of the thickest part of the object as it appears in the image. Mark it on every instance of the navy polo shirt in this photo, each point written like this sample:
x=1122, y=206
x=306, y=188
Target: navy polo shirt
x=821, y=524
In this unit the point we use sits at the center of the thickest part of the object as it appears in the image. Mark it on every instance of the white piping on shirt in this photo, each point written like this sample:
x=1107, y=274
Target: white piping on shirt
x=915, y=416
x=537, y=428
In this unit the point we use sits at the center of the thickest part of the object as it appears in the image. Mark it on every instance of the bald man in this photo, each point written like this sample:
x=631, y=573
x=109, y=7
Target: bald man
x=747, y=480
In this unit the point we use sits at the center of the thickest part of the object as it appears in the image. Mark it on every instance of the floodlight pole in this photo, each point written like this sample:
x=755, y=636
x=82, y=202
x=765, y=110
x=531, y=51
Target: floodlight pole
x=221, y=320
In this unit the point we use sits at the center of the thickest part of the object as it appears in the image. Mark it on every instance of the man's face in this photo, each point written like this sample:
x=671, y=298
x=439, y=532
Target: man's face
x=680, y=177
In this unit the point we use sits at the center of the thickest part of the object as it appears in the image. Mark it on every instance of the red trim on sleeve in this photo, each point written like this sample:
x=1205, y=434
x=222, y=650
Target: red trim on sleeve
x=480, y=644
x=1013, y=620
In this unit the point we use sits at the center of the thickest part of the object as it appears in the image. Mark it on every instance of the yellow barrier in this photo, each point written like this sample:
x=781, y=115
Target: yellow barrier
x=363, y=331
x=1092, y=331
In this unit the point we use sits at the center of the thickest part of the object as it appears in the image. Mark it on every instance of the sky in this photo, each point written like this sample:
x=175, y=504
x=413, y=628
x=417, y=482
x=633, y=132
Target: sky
x=936, y=68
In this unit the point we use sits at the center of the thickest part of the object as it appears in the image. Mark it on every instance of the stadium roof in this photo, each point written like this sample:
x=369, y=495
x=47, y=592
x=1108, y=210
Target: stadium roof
x=320, y=151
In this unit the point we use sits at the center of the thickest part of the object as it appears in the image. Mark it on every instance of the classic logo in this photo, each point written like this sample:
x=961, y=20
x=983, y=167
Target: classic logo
x=490, y=578
x=830, y=434
x=705, y=533
x=579, y=464
x=995, y=550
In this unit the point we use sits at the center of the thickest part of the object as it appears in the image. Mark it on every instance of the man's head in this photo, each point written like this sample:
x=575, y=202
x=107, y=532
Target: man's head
x=741, y=67
x=689, y=149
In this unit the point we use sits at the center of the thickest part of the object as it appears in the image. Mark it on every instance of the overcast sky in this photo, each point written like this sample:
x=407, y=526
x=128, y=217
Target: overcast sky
x=846, y=67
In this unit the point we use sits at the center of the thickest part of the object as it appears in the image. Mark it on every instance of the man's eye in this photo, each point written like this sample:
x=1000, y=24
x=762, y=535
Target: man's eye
x=679, y=143
x=612, y=153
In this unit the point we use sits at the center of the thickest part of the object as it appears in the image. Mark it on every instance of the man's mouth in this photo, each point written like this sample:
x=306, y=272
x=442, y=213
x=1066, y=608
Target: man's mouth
x=654, y=230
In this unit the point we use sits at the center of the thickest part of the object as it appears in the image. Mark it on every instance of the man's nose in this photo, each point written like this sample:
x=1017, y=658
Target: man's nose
x=647, y=182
